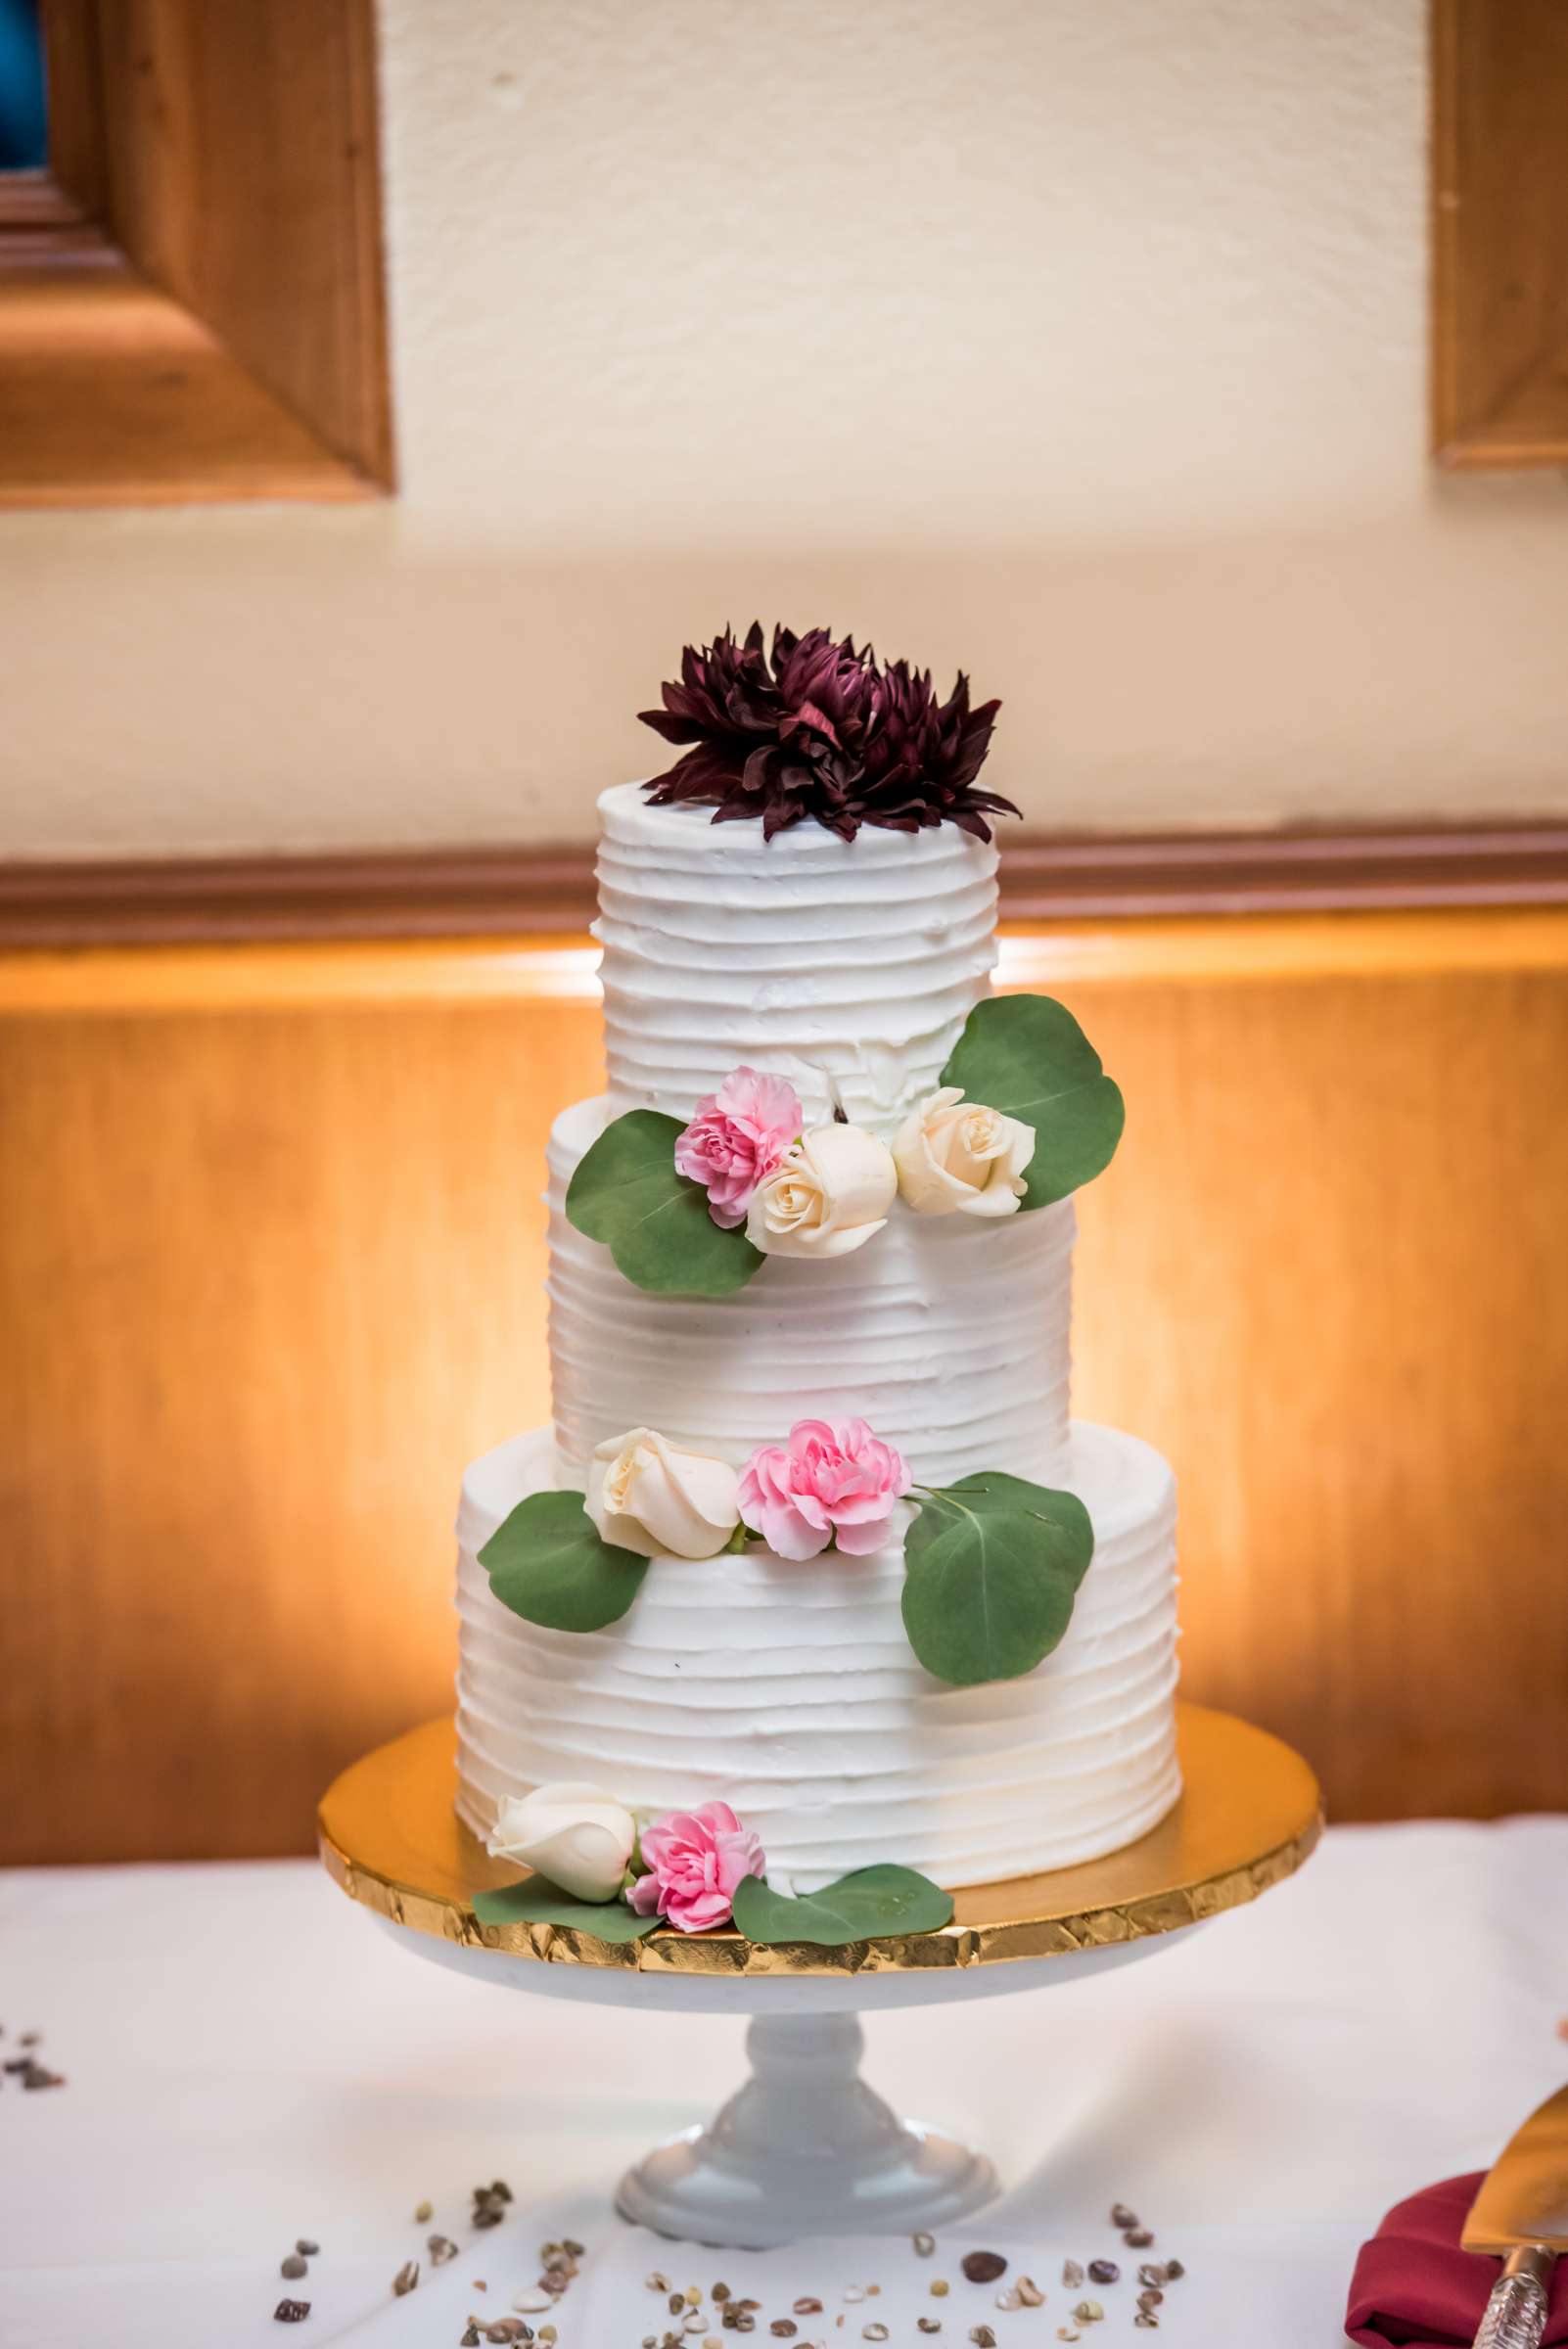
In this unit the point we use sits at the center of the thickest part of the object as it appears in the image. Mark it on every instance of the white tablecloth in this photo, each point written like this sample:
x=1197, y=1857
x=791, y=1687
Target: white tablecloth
x=248, y=2059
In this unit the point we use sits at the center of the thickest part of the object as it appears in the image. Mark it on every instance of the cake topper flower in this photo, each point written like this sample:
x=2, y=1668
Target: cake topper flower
x=820, y=728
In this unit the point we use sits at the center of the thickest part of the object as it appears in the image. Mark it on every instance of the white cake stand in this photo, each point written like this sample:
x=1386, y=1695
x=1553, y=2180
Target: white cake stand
x=806, y=2146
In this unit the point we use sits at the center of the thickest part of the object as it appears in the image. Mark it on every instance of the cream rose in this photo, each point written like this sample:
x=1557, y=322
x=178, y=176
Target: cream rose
x=647, y=1495
x=957, y=1157
x=832, y=1192
x=578, y=1837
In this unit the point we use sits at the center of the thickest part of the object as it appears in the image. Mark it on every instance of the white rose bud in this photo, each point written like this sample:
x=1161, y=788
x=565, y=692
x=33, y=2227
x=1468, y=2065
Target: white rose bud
x=957, y=1156
x=578, y=1837
x=831, y=1193
x=650, y=1496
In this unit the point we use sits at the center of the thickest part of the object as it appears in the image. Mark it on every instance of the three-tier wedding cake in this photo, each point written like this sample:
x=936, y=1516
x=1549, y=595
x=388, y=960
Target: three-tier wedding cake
x=802, y=1546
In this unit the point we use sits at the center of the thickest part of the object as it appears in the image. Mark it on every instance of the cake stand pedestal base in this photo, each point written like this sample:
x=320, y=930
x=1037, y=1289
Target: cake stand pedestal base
x=805, y=2148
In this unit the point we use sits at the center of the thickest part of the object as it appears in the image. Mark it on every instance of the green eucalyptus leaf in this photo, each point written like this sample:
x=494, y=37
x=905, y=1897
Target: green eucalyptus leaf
x=655, y=1222
x=549, y=1564
x=1027, y=1056
x=992, y=1566
x=863, y=1907
x=539, y=1901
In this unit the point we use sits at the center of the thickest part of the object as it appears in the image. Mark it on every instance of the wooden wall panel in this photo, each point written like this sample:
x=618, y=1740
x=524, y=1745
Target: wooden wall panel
x=269, y=1276
x=266, y=1283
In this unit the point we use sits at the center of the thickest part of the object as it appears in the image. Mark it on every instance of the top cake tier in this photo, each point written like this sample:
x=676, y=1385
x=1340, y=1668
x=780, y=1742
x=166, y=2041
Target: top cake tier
x=847, y=966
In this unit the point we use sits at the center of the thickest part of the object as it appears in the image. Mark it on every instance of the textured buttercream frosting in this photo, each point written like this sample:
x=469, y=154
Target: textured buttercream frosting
x=848, y=966
x=948, y=1334
x=790, y=1691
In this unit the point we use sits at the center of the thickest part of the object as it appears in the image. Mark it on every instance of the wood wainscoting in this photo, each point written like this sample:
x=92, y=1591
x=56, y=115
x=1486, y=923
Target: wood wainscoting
x=272, y=1255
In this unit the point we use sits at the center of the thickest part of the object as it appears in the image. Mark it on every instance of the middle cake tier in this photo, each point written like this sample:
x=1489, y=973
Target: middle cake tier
x=950, y=1336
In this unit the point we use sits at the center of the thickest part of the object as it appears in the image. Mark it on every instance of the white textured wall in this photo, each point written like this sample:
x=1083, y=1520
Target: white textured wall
x=1077, y=339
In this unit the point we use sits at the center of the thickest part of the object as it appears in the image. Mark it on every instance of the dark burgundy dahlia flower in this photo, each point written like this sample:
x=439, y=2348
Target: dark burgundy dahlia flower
x=817, y=728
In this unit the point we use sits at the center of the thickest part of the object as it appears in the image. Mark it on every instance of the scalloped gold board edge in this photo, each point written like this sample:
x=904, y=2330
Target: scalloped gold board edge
x=1248, y=1815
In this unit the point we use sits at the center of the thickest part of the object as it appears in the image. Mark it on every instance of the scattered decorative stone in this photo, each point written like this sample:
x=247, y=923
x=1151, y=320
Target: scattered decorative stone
x=1151, y=2273
x=1089, y=2312
x=853, y=2293
x=657, y=2283
x=982, y=2267
x=38, y=2075
x=424, y=2212
x=940, y=2287
x=306, y=2248
x=928, y=2324
x=925, y=2244
x=808, y=2305
x=1030, y=2294
x=874, y=2332
x=1174, y=2270
x=1145, y=2322
x=1103, y=2271
x=1011, y=2298
x=489, y=2203
x=531, y=2300
x=983, y=2336
x=1137, y=2238
x=441, y=2248
x=572, y=2249
x=1072, y=2274
x=1151, y=2298
x=695, y=2322
x=293, y=2268
x=1065, y=2332
x=713, y=2341
x=676, y=2303
x=407, y=2277
x=290, y=2312
x=472, y=2336
x=1122, y=2216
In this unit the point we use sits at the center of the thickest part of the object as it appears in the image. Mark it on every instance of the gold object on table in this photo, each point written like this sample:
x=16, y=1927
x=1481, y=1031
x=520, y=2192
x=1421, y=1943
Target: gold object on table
x=1249, y=1815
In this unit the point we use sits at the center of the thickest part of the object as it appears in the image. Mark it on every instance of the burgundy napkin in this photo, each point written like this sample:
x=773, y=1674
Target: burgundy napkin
x=1413, y=2284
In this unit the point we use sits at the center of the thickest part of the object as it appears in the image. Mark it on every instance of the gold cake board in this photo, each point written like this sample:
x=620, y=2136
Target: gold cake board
x=1249, y=1815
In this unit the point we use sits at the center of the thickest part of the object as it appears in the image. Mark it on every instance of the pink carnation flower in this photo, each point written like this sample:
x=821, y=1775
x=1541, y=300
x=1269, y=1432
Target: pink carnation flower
x=833, y=1480
x=695, y=1861
x=737, y=1139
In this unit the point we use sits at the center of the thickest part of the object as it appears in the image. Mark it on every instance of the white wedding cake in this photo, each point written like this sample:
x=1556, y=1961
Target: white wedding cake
x=787, y=1687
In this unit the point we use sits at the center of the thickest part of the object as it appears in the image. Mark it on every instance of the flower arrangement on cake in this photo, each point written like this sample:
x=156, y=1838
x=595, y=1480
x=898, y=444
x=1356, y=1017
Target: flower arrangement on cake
x=595, y=1867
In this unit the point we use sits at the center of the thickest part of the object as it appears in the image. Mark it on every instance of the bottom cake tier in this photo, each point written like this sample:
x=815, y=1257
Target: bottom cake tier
x=789, y=1691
